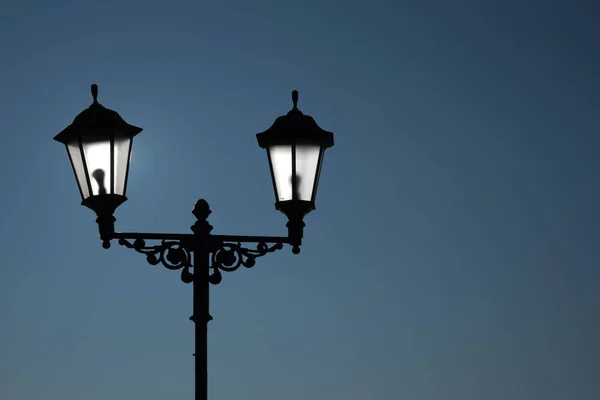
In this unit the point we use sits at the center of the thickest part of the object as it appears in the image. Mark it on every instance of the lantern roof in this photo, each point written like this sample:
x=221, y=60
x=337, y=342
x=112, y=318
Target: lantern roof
x=294, y=125
x=96, y=120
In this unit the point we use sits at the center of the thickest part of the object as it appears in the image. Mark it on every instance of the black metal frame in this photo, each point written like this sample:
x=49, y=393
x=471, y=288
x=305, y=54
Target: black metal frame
x=196, y=254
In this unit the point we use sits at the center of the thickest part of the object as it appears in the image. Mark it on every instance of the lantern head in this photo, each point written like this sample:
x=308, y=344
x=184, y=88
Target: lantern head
x=295, y=147
x=98, y=143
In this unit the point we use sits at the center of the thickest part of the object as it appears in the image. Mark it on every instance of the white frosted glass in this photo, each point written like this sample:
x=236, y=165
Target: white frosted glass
x=97, y=158
x=122, y=145
x=319, y=169
x=281, y=162
x=78, y=167
x=307, y=162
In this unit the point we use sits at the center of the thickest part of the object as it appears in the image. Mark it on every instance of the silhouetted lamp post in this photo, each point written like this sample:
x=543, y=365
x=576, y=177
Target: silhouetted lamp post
x=99, y=144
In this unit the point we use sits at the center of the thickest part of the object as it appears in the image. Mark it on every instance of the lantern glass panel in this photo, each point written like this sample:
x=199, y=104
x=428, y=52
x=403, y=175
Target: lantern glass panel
x=121, y=161
x=78, y=167
x=281, y=162
x=97, y=152
x=307, y=163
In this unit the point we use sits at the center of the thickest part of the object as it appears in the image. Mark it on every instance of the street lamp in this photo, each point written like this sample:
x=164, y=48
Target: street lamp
x=99, y=144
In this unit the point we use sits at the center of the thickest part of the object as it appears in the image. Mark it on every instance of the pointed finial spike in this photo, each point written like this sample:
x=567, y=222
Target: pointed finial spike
x=295, y=98
x=95, y=92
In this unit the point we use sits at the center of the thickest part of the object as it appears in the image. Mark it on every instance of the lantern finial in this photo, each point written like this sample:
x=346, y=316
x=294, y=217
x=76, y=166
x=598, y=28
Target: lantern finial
x=95, y=92
x=295, y=99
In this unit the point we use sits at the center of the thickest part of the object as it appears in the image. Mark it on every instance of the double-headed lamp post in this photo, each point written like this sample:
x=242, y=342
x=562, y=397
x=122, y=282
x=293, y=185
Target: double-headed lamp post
x=99, y=146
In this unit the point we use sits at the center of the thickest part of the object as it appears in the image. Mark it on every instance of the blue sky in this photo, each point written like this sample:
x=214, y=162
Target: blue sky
x=453, y=252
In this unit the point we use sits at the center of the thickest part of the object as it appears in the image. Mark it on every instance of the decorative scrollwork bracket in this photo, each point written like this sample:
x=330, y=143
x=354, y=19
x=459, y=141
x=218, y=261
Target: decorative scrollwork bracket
x=230, y=256
x=222, y=252
x=173, y=254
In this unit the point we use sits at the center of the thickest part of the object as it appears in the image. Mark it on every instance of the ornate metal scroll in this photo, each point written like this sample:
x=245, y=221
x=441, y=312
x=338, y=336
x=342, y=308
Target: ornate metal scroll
x=230, y=256
x=170, y=253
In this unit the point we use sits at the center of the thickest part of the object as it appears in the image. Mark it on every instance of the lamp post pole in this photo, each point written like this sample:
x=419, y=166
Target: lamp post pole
x=200, y=318
x=99, y=143
x=201, y=312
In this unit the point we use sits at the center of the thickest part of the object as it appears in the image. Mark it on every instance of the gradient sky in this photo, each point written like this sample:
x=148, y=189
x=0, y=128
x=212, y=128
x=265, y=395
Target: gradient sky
x=454, y=251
